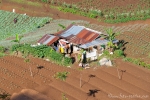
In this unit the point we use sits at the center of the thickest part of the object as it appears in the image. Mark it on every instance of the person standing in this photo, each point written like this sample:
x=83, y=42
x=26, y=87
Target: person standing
x=67, y=48
x=84, y=60
x=71, y=48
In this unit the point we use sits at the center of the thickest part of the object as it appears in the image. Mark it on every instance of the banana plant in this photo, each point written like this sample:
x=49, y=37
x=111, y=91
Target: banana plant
x=111, y=36
x=18, y=39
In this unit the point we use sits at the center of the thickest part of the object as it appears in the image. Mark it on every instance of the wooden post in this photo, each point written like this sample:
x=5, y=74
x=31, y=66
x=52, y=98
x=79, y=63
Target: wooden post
x=31, y=72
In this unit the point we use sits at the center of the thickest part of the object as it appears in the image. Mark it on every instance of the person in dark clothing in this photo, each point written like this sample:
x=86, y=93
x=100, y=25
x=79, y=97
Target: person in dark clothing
x=84, y=60
x=15, y=20
x=71, y=48
x=67, y=48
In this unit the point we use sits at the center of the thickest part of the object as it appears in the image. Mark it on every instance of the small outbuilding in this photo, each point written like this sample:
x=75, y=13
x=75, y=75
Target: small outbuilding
x=48, y=39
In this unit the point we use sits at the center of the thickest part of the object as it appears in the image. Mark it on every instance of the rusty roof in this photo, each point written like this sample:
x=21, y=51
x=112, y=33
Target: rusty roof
x=48, y=39
x=84, y=36
x=78, y=34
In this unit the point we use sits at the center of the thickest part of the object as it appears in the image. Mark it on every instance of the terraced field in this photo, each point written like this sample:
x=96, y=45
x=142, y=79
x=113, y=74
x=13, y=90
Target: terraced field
x=23, y=25
x=16, y=77
x=24, y=81
x=136, y=36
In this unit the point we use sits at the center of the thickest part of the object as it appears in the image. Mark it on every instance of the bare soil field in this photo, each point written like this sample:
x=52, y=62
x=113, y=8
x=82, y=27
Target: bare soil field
x=98, y=82
x=16, y=76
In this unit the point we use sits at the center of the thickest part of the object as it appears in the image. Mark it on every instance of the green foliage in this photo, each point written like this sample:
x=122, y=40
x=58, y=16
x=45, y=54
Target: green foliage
x=61, y=75
x=127, y=59
x=81, y=51
x=2, y=49
x=128, y=16
x=42, y=51
x=137, y=62
x=118, y=53
x=15, y=47
x=18, y=39
x=64, y=97
x=67, y=61
x=62, y=26
x=111, y=36
x=57, y=57
x=117, y=14
x=24, y=24
x=27, y=60
x=106, y=52
x=2, y=54
x=44, y=0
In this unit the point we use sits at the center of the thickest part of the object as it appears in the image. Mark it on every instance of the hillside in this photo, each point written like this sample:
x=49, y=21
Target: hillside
x=98, y=82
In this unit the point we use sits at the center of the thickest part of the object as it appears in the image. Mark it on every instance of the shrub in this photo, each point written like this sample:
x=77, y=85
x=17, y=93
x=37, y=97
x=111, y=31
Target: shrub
x=67, y=61
x=61, y=75
x=106, y=52
x=137, y=62
x=118, y=53
x=44, y=0
x=15, y=47
x=42, y=51
x=2, y=49
x=2, y=54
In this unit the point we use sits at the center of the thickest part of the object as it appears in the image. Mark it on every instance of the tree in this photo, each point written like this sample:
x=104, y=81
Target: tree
x=17, y=40
x=111, y=36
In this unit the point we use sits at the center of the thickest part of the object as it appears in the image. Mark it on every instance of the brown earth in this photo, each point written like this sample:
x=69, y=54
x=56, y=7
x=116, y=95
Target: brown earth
x=103, y=81
x=46, y=10
x=15, y=76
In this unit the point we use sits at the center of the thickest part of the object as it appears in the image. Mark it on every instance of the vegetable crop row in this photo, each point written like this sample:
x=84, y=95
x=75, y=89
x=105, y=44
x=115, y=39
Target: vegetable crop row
x=24, y=24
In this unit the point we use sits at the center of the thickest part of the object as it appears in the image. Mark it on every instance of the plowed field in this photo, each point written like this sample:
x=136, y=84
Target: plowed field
x=15, y=76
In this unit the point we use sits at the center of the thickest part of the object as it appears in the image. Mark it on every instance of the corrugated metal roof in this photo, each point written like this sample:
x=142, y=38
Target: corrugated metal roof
x=74, y=30
x=48, y=39
x=78, y=34
x=88, y=35
x=101, y=42
x=96, y=42
x=42, y=38
x=84, y=36
x=76, y=40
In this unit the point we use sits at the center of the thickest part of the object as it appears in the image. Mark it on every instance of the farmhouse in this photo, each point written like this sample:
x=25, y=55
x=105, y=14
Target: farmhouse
x=81, y=37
